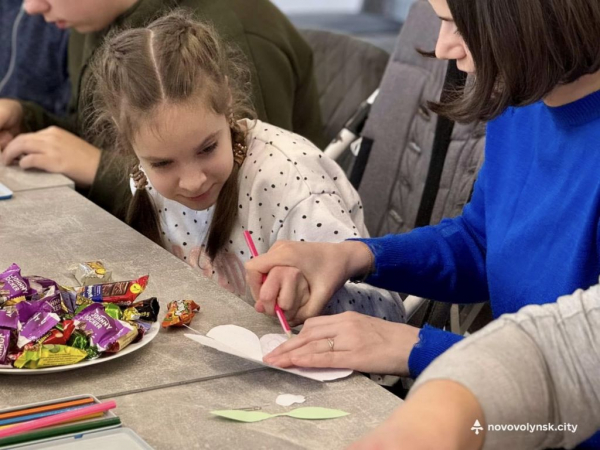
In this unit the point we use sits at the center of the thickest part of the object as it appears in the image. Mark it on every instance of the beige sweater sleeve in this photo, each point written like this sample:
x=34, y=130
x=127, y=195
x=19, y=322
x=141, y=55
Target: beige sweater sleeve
x=538, y=366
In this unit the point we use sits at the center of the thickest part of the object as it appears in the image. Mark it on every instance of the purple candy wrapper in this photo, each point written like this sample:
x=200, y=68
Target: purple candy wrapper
x=52, y=301
x=4, y=344
x=12, y=284
x=39, y=324
x=69, y=298
x=27, y=309
x=9, y=319
x=102, y=329
x=38, y=286
x=143, y=328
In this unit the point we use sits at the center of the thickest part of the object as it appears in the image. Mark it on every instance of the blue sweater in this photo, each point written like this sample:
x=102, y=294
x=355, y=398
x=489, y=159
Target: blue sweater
x=529, y=234
x=41, y=59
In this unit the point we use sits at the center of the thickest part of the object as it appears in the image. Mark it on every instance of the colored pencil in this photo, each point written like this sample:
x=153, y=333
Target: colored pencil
x=57, y=419
x=282, y=320
x=59, y=431
x=79, y=419
x=29, y=417
x=51, y=407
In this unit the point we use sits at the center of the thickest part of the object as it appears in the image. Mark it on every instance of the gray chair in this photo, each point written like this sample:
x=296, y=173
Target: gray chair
x=347, y=70
x=400, y=132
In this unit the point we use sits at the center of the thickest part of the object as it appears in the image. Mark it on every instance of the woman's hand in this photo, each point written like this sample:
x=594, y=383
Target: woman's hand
x=437, y=416
x=350, y=341
x=11, y=114
x=55, y=150
x=320, y=270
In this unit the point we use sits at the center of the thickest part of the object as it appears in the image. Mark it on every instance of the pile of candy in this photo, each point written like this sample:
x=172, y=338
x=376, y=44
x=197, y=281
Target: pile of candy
x=43, y=324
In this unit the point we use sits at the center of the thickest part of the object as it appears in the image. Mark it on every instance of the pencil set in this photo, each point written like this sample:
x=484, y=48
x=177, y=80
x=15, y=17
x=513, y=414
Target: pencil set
x=53, y=419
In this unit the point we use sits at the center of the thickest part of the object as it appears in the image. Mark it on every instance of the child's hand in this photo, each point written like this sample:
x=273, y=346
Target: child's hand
x=55, y=150
x=11, y=114
x=287, y=287
x=323, y=267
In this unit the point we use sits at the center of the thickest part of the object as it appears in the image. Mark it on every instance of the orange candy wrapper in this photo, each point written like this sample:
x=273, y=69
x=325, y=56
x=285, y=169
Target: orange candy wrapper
x=180, y=313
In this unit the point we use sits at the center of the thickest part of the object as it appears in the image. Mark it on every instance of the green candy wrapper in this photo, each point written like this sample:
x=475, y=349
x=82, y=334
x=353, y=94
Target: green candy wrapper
x=92, y=353
x=113, y=311
x=80, y=341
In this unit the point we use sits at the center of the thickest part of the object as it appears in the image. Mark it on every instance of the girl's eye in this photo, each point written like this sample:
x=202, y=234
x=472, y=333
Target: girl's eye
x=160, y=164
x=211, y=148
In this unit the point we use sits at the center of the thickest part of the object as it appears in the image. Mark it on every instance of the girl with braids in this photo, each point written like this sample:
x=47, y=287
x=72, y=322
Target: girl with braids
x=174, y=96
x=282, y=85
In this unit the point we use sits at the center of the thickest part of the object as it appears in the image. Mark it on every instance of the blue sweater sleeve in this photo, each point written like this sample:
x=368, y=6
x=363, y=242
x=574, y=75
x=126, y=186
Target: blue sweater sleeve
x=445, y=262
x=432, y=343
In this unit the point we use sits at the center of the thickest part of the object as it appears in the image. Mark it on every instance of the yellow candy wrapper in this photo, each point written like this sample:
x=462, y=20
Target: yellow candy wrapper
x=49, y=356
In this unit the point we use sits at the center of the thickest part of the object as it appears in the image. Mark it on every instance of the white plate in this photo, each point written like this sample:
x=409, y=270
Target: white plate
x=129, y=349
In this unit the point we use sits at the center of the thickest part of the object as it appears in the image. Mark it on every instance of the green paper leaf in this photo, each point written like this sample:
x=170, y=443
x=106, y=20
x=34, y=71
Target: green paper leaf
x=315, y=413
x=305, y=413
x=242, y=416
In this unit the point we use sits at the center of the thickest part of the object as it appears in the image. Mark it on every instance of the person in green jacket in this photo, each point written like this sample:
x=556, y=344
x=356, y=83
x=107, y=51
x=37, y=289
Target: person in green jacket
x=284, y=91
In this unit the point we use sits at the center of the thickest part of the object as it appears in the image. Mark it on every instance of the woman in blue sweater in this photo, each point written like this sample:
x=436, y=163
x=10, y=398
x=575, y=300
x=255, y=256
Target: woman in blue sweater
x=530, y=233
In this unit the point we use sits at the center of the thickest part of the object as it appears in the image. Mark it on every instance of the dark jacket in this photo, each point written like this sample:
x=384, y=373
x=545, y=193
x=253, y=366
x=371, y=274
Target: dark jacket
x=40, y=72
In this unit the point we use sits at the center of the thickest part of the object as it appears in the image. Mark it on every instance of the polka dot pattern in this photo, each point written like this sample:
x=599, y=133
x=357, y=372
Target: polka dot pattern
x=288, y=191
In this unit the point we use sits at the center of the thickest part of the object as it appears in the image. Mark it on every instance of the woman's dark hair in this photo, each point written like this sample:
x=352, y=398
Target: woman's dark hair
x=173, y=60
x=522, y=50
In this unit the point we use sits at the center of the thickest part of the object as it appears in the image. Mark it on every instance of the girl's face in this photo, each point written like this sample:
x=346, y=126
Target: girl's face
x=186, y=152
x=85, y=16
x=450, y=44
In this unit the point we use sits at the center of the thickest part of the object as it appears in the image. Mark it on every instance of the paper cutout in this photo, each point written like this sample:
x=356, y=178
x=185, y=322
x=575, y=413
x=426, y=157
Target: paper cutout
x=315, y=413
x=270, y=342
x=306, y=413
x=244, y=343
x=289, y=399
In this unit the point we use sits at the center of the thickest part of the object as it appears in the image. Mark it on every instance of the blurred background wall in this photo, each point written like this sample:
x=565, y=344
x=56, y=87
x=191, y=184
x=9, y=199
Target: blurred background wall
x=376, y=21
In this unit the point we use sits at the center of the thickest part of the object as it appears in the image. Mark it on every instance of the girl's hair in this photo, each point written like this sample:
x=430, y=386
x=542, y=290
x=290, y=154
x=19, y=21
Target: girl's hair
x=522, y=50
x=173, y=60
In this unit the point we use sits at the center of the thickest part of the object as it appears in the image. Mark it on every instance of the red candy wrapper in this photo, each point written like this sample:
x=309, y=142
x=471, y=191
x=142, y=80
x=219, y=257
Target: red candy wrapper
x=122, y=292
x=180, y=313
x=60, y=336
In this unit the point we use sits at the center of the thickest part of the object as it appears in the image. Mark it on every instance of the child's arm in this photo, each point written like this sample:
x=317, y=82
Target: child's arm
x=36, y=118
x=110, y=189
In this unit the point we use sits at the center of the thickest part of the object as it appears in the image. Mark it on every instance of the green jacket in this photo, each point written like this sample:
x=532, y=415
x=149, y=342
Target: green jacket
x=283, y=84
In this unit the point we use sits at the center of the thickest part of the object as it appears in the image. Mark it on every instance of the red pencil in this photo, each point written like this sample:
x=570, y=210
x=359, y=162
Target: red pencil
x=278, y=310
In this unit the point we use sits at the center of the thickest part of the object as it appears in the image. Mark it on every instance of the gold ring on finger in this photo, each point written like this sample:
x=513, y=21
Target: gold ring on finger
x=331, y=344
